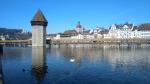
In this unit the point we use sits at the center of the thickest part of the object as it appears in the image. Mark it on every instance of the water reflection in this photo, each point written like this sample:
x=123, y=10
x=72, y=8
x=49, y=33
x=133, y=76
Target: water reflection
x=91, y=65
x=117, y=58
x=128, y=58
x=79, y=54
x=39, y=68
x=116, y=65
x=1, y=72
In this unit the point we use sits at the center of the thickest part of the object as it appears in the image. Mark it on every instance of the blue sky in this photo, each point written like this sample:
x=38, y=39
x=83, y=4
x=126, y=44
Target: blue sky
x=64, y=14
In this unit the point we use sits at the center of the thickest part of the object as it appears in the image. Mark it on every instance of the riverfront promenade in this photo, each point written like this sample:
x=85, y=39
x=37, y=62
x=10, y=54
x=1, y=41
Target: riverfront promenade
x=90, y=42
x=100, y=41
x=15, y=41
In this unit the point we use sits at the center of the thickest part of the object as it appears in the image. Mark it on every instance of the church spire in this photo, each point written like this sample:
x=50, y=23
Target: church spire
x=78, y=25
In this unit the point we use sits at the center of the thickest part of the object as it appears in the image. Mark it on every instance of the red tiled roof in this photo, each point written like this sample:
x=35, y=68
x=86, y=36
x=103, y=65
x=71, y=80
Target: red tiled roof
x=145, y=26
x=71, y=32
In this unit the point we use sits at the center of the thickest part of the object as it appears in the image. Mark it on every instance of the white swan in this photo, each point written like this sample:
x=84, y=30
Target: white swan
x=72, y=60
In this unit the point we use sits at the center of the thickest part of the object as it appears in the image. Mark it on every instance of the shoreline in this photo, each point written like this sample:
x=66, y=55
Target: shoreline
x=102, y=45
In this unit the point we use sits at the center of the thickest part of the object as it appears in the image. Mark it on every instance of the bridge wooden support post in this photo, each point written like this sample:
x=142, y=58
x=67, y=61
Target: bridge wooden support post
x=1, y=48
x=48, y=43
x=128, y=45
x=1, y=73
x=58, y=43
x=67, y=45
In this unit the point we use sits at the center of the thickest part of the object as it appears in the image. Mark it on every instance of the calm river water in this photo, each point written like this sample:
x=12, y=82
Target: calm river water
x=38, y=65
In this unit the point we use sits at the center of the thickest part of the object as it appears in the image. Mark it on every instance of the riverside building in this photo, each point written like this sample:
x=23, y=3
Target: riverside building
x=116, y=31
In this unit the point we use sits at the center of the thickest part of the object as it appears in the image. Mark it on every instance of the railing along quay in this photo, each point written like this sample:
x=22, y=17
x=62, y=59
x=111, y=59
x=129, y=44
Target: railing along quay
x=16, y=41
x=100, y=41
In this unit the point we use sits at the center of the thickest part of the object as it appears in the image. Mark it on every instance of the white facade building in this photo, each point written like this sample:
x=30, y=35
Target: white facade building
x=128, y=31
x=125, y=31
x=96, y=33
x=122, y=31
x=145, y=30
x=145, y=33
x=79, y=36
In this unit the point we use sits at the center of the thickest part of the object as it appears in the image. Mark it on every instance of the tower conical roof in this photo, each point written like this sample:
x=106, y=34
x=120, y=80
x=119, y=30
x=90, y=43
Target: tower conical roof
x=39, y=19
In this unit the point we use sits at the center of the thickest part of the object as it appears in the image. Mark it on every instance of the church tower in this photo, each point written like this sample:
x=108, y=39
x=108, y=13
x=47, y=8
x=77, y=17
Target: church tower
x=79, y=27
x=39, y=24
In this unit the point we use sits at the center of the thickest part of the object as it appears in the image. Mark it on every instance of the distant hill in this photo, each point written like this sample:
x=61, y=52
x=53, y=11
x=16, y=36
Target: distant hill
x=15, y=34
x=9, y=31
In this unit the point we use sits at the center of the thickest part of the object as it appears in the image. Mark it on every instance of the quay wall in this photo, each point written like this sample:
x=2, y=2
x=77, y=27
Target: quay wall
x=102, y=43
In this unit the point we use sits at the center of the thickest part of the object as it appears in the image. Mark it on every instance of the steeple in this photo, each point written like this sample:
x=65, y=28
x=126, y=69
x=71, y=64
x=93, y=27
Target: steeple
x=78, y=25
x=39, y=19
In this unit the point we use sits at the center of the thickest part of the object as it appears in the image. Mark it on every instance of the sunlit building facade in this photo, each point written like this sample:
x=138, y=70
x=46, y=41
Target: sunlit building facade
x=116, y=31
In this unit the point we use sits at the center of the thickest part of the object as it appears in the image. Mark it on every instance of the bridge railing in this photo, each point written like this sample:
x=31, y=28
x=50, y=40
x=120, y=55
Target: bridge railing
x=16, y=41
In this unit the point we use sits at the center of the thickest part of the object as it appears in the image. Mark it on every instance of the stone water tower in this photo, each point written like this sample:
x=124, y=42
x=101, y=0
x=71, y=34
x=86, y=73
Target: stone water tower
x=39, y=24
